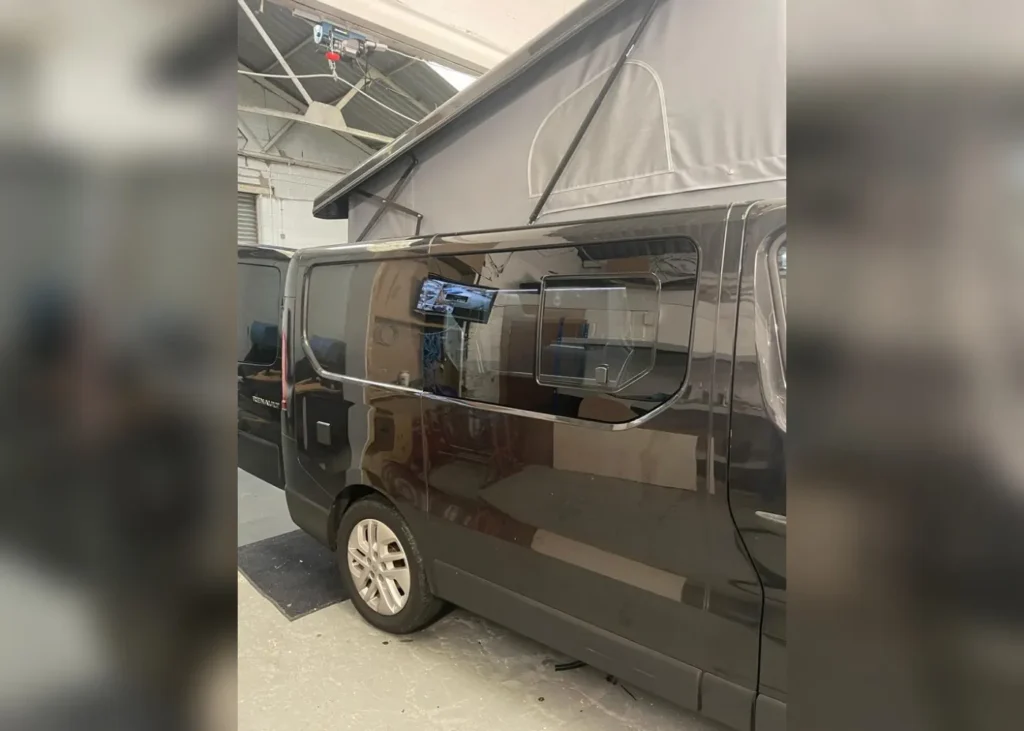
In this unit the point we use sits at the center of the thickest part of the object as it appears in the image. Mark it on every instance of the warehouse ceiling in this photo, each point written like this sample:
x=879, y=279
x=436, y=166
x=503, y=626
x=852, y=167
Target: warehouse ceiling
x=395, y=90
x=434, y=49
x=471, y=35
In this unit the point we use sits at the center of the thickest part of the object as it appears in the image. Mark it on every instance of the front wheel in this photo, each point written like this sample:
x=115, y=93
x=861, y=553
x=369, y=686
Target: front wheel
x=382, y=568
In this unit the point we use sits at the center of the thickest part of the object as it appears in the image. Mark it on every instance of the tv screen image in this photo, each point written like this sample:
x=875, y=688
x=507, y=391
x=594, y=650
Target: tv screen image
x=462, y=301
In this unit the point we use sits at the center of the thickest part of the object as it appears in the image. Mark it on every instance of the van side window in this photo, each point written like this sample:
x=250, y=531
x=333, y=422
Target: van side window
x=257, y=337
x=480, y=313
x=614, y=336
x=331, y=305
x=597, y=332
x=361, y=320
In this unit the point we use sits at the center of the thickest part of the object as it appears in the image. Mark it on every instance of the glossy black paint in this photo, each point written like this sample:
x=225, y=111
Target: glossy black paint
x=757, y=466
x=630, y=546
x=374, y=434
x=259, y=387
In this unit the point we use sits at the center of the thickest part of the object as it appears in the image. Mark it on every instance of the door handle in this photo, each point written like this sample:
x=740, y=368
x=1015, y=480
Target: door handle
x=773, y=518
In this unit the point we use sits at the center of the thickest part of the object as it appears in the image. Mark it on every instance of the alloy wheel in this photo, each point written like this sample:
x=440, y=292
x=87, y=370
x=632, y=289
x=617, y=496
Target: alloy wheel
x=379, y=568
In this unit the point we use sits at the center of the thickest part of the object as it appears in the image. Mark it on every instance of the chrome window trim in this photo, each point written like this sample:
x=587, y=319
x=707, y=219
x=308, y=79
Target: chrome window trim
x=777, y=299
x=555, y=418
x=538, y=239
x=583, y=386
x=362, y=252
x=769, y=330
x=653, y=226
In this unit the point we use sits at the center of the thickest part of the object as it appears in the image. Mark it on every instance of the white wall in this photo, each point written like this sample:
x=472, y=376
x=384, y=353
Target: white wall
x=286, y=190
x=290, y=222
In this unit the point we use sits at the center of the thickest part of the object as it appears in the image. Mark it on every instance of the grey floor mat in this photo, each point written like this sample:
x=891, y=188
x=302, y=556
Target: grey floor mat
x=298, y=575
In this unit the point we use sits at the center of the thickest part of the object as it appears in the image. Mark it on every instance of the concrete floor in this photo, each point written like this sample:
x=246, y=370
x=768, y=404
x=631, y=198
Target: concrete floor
x=262, y=512
x=331, y=670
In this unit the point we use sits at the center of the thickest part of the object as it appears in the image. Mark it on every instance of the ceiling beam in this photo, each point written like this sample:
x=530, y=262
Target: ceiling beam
x=279, y=135
x=280, y=59
x=387, y=80
x=247, y=132
x=375, y=75
x=266, y=157
x=350, y=94
x=372, y=136
x=292, y=101
x=272, y=88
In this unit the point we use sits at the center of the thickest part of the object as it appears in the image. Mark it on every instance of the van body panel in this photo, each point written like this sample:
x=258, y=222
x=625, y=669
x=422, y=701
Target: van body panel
x=633, y=663
x=625, y=530
x=584, y=514
x=757, y=466
x=261, y=277
x=345, y=432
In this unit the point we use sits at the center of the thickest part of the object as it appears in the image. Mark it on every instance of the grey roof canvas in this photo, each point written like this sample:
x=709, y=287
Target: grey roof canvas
x=695, y=116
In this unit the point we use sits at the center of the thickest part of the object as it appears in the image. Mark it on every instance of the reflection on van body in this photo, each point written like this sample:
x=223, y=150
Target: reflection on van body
x=260, y=285
x=541, y=489
x=558, y=398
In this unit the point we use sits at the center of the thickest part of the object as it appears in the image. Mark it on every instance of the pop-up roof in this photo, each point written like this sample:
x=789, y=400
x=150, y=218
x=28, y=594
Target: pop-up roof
x=681, y=102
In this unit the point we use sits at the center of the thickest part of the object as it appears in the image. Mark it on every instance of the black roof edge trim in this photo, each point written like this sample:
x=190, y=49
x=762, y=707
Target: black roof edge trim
x=333, y=202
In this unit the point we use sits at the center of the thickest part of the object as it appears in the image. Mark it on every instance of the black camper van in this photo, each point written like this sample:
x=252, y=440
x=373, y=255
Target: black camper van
x=260, y=277
x=548, y=382
x=574, y=430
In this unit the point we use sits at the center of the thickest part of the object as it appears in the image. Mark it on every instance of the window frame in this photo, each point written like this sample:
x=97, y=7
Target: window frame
x=770, y=326
x=555, y=381
x=280, y=313
x=351, y=254
x=778, y=301
x=307, y=347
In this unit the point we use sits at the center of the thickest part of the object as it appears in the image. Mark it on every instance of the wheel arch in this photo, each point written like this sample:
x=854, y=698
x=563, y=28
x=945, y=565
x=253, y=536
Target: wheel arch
x=357, y=492
x=345, y=499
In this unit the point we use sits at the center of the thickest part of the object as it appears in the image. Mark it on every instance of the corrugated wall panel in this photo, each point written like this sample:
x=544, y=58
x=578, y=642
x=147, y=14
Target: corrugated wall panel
x=248, y=228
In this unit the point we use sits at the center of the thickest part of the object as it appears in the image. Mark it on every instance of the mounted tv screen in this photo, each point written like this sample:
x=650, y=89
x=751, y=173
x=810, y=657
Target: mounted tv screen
x=464, y=302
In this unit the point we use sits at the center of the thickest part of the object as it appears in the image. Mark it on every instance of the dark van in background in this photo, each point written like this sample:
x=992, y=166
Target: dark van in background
x=261, y=276
x=575, y=430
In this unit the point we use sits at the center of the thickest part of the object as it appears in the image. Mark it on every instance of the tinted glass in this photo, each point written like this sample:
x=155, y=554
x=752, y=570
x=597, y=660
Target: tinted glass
x=258, y=315
x=333, y=312
x=362, y=320
x=624, y=309
x=598, y=332
x=480, y=358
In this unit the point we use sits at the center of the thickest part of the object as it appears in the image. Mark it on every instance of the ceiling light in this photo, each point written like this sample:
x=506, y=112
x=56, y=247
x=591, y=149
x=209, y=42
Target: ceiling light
x=458, y=79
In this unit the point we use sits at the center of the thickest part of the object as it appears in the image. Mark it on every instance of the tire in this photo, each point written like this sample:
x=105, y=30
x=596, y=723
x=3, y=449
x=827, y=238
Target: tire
x=405, y=603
